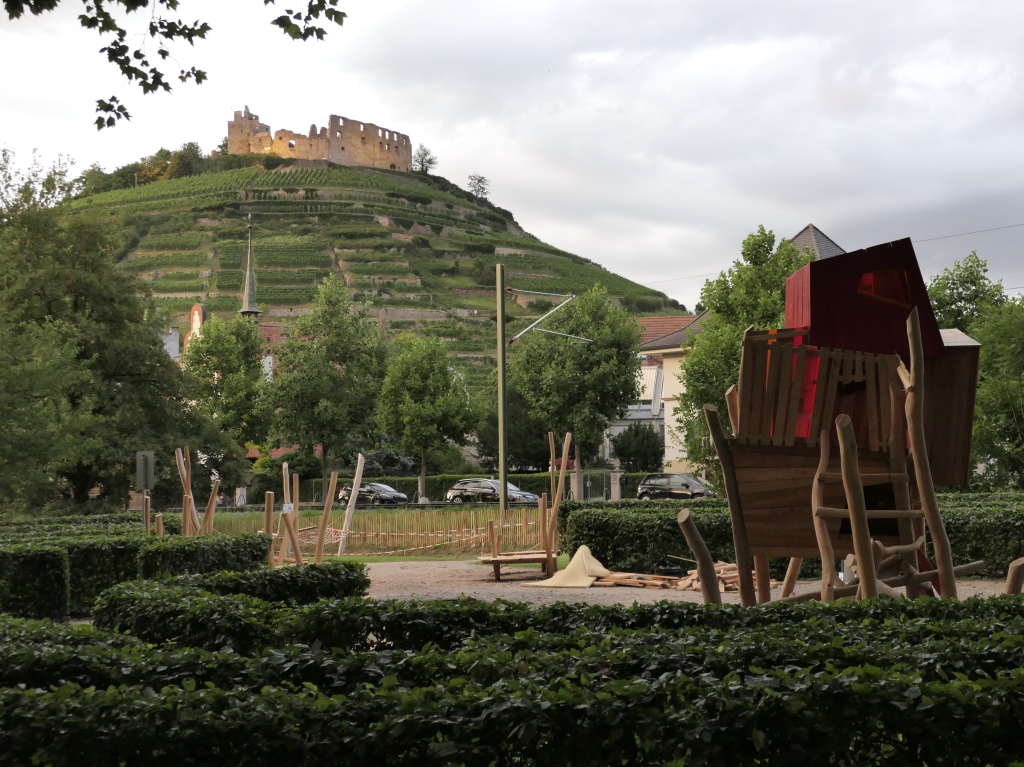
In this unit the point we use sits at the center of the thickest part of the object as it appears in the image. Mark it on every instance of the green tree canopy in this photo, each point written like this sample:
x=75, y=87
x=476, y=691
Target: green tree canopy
x=962, y=293
x=639, y=448
x=526, y=439
x=123, y=392
x=329, y=374
x=226, y=378
x=575, y=386
x=999, y=409
x=753, y=290
x=424, y=402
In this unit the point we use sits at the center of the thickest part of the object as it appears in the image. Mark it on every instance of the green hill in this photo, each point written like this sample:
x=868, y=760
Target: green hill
x=420, y=250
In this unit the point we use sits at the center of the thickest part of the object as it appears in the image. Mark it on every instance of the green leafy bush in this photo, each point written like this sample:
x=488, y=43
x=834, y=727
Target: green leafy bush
x=298, y=585
x=175, y=555
x=34, y=581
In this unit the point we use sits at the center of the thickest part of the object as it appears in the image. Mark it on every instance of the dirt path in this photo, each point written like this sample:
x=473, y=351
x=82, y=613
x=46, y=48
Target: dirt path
x=452, y=579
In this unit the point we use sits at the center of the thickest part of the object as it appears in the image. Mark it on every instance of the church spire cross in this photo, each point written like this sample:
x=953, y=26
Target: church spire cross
x=249, y=308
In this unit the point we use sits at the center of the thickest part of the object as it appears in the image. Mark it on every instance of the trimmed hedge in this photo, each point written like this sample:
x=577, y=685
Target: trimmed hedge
x=176, y=555
x=160, y=612
x=34, y=581
x=294, y=585
x=635, y=536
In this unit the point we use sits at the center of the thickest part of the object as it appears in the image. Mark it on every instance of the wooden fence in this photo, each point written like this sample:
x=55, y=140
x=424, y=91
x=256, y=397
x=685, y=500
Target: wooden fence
x=408, y=532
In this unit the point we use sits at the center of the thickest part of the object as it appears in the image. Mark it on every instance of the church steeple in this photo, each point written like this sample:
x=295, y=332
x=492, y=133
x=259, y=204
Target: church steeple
x=249, y=308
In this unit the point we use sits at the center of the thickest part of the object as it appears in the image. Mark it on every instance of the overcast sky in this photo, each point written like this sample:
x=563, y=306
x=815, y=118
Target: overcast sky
x=650, y=137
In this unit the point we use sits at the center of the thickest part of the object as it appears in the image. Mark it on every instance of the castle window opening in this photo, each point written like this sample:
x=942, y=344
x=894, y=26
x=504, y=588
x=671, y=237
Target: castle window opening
x=291, y=144
x=337, y=134
x=362, y=127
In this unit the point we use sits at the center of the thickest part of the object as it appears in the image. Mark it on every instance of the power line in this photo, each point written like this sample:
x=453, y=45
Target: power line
x=963, y=234
x=927, y=239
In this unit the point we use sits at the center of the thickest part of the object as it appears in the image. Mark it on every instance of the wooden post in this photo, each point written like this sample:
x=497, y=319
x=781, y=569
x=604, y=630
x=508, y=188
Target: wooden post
x=922, y=468
x=352, y=497
x=545, y=538
x=295, y=492
x=792, y=573
x=145, y=511
x=268, y=524
x=321, y=533
x=1014, y=577
x=762, y=578
x=211, y=510
x=552, y=540
x=186, y=491
x=287, y=497
x=293, y=535
x=557, y=502
x=739, y=530
x=159, y=525
x=705, y=564
x=828, y=556
x=193, y=522
x=492, y=533
x=551, y=466
x=898, y=465
x=858, y=508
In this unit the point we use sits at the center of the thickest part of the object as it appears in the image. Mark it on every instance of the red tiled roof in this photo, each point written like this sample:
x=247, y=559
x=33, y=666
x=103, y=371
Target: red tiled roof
x=656, y=327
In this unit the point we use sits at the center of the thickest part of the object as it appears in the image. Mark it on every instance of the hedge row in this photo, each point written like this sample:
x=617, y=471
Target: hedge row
x=635, y=536
x=54, y=577
x=294, y=585
x=780, y=684
x=159, y=613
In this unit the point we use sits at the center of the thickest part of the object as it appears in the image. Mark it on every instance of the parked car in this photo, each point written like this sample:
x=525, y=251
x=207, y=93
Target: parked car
x=485, y=491
x=374, y=493
x=656, y=486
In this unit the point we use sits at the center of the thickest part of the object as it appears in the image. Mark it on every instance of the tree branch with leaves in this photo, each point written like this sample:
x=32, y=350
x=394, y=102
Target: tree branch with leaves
x=144, y=67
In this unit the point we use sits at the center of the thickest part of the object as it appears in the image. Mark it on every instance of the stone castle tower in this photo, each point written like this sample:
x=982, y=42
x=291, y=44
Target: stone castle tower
x=344, y=141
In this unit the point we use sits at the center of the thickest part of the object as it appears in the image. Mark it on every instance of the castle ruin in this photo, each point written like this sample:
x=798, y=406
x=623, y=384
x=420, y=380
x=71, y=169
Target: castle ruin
x=343, y=141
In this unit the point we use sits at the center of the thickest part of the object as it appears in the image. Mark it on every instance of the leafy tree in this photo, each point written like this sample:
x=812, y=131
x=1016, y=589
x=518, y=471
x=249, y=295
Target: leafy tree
x=710, y=367
x=136, y=65
x=38, y=364
x=226, y=380
x=576, y=386
x=639, y=448
x=962, y=293
x=999, y=409
x=423, y=160
x=478, y=185
x=526, y=439
x=424, y=403
x=329, y=373
x=126, y=394
x=751, y=292
x=187, y=161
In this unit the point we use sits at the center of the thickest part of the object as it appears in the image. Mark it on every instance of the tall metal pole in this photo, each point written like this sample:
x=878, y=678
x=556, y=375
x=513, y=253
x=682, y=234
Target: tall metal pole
x=502, y=457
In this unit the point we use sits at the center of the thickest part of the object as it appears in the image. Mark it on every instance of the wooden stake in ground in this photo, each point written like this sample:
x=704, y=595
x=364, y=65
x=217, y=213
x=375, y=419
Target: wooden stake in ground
x=268, y=525
x=145, y=512
x=159, y=525
x=705, y=564
x=353, y=496
x=186, y=490
x=325, y=518
x=857, y=507
x=1014, y=577
x=551, y=466
x=293, y=535
x=211, y=510
x=923, y=469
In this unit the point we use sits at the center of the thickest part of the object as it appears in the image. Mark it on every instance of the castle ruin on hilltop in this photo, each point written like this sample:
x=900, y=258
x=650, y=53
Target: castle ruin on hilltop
x=344, y=141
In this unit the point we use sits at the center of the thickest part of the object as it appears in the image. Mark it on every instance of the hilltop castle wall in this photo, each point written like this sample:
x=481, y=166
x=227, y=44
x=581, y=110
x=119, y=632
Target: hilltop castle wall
x=343, y=141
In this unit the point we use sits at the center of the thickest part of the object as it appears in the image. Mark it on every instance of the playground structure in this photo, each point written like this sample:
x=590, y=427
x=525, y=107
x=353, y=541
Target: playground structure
x=797, y=397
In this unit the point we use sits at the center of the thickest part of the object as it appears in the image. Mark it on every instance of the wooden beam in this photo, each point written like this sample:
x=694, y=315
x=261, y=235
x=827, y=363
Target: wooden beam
x=353, y=496
x=739, y=531
x=1014, y=577
x=922, y=469
x=857, y=508
x=268, y=524
x=792, y=573
x=325, y=518
x=159, y=525
x=705, y=564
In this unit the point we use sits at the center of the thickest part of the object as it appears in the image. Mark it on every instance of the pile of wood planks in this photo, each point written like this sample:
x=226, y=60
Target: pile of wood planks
x=728, y=580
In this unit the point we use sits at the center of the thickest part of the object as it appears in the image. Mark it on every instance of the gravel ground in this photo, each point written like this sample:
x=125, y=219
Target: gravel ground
x=452, y=579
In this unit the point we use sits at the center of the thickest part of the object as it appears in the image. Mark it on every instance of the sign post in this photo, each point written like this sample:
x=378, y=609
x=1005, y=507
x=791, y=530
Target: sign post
x=144, y=476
